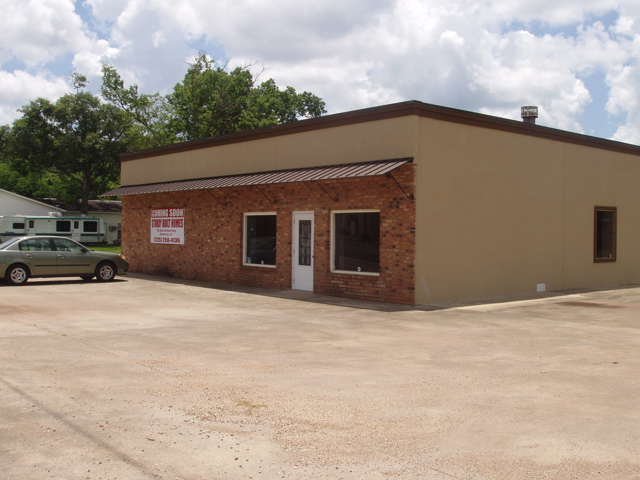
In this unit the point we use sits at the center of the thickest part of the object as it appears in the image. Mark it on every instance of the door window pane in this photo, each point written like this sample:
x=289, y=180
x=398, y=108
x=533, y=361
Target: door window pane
x=304, y=242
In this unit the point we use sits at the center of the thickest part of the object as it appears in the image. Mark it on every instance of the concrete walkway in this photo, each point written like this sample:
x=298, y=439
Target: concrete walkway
x=149, y=378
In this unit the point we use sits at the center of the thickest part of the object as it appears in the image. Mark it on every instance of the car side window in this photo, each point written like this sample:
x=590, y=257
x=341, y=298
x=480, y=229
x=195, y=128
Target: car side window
x=35, y=245
x=64, y=245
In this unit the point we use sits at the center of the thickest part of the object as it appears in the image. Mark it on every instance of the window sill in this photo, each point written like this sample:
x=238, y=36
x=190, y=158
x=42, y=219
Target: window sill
x=349, y=272
x=259, y=265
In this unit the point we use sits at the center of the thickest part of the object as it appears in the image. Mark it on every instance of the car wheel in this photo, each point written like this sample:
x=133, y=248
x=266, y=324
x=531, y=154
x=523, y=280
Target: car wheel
x=105, y=272
x=17, y=275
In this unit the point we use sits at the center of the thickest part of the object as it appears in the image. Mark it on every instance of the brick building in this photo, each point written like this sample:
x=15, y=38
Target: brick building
x=408, y=203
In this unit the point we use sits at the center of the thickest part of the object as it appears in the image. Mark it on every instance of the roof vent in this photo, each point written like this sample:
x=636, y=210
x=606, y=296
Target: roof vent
x=529, y=114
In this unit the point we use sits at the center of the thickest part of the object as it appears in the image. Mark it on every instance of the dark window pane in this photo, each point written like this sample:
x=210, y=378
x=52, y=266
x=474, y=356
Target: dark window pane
x=260, y=238
x=605, y=234
x=90, y=227
x=18, y=226
x=357, y=242
x=63, y=226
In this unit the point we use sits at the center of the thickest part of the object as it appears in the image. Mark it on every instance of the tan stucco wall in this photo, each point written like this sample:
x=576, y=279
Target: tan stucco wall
x=601, y=178
x=378, y=140
x=498, y=213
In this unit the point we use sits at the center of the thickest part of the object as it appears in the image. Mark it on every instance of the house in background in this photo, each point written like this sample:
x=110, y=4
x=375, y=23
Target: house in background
x=110, y=211
x=408, y=203
x=14, y=204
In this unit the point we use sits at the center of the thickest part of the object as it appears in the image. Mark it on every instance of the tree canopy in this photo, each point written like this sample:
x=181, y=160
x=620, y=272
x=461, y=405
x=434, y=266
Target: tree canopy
x=78, y=138
x=70, y=148
x=209, y=101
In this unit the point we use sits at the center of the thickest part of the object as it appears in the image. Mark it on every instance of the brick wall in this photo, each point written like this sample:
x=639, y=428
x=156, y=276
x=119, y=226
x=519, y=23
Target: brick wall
x=214, y=234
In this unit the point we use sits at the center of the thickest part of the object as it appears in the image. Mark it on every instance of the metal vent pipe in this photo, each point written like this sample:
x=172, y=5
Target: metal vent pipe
x=529, y=114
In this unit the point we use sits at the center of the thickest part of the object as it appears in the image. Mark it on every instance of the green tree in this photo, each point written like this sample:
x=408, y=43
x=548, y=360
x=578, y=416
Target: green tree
x=268, y=105
x=147, y=115
x=31, y=184
x=69, y=149
x=16, y=175
x=209, y=101
x=213, y=101
x=78, y=139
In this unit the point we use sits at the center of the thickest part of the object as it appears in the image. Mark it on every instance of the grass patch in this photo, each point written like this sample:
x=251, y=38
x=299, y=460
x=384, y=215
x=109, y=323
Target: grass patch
x=101, y=247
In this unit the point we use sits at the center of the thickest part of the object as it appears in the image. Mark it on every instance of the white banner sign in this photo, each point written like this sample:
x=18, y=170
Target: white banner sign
x=167, y=226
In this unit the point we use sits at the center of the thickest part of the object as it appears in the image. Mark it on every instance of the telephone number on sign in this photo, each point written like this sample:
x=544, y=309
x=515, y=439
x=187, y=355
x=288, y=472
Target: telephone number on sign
x=165, y=240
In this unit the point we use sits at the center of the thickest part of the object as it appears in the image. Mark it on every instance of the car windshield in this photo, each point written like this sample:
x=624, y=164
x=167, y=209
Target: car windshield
x=11, y=241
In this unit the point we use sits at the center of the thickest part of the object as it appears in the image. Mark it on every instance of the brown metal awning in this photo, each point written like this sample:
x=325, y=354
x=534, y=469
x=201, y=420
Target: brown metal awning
x=365, y=169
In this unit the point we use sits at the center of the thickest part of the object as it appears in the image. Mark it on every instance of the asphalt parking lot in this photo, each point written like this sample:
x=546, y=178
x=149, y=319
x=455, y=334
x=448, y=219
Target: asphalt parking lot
x=149, y=378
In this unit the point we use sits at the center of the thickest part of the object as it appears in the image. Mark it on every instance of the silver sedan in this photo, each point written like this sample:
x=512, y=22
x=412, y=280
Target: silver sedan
x=25, y=257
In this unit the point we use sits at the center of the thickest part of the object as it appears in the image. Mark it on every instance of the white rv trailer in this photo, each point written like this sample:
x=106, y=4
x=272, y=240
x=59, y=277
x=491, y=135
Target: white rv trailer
x=82, y=229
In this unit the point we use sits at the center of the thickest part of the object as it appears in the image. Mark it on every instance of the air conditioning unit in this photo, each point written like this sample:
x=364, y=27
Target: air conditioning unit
x=55, y=214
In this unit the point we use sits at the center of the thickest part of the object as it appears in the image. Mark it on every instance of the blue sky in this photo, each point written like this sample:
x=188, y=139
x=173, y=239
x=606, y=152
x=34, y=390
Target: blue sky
x=578, y=60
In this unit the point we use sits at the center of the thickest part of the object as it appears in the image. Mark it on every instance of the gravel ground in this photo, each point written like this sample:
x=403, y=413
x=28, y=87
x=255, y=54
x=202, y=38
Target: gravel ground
x=148, y=378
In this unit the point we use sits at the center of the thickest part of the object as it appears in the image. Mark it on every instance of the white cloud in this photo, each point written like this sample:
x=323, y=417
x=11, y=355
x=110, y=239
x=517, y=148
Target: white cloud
x=107, y=11
x=452, y=38
x=481, y=55
x=551, y=12
x=147, y=43
x=625, y=88
x=38, y=31
x=20, y=87
x=89, y=61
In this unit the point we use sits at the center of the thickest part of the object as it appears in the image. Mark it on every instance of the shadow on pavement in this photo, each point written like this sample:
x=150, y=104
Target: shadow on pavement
x=304, y=296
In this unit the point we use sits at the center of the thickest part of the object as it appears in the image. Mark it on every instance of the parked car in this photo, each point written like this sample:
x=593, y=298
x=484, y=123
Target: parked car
x=50, y=256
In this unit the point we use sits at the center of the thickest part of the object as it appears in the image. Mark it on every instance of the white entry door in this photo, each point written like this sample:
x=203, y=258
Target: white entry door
x=302, y=251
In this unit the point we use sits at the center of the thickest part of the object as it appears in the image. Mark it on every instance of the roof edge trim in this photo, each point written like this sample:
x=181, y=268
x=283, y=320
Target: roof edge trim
x=385, y=112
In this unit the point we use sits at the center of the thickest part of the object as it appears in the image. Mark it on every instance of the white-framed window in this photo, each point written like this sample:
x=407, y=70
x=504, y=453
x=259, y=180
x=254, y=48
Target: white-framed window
x=259, y=245
x=355, y=241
